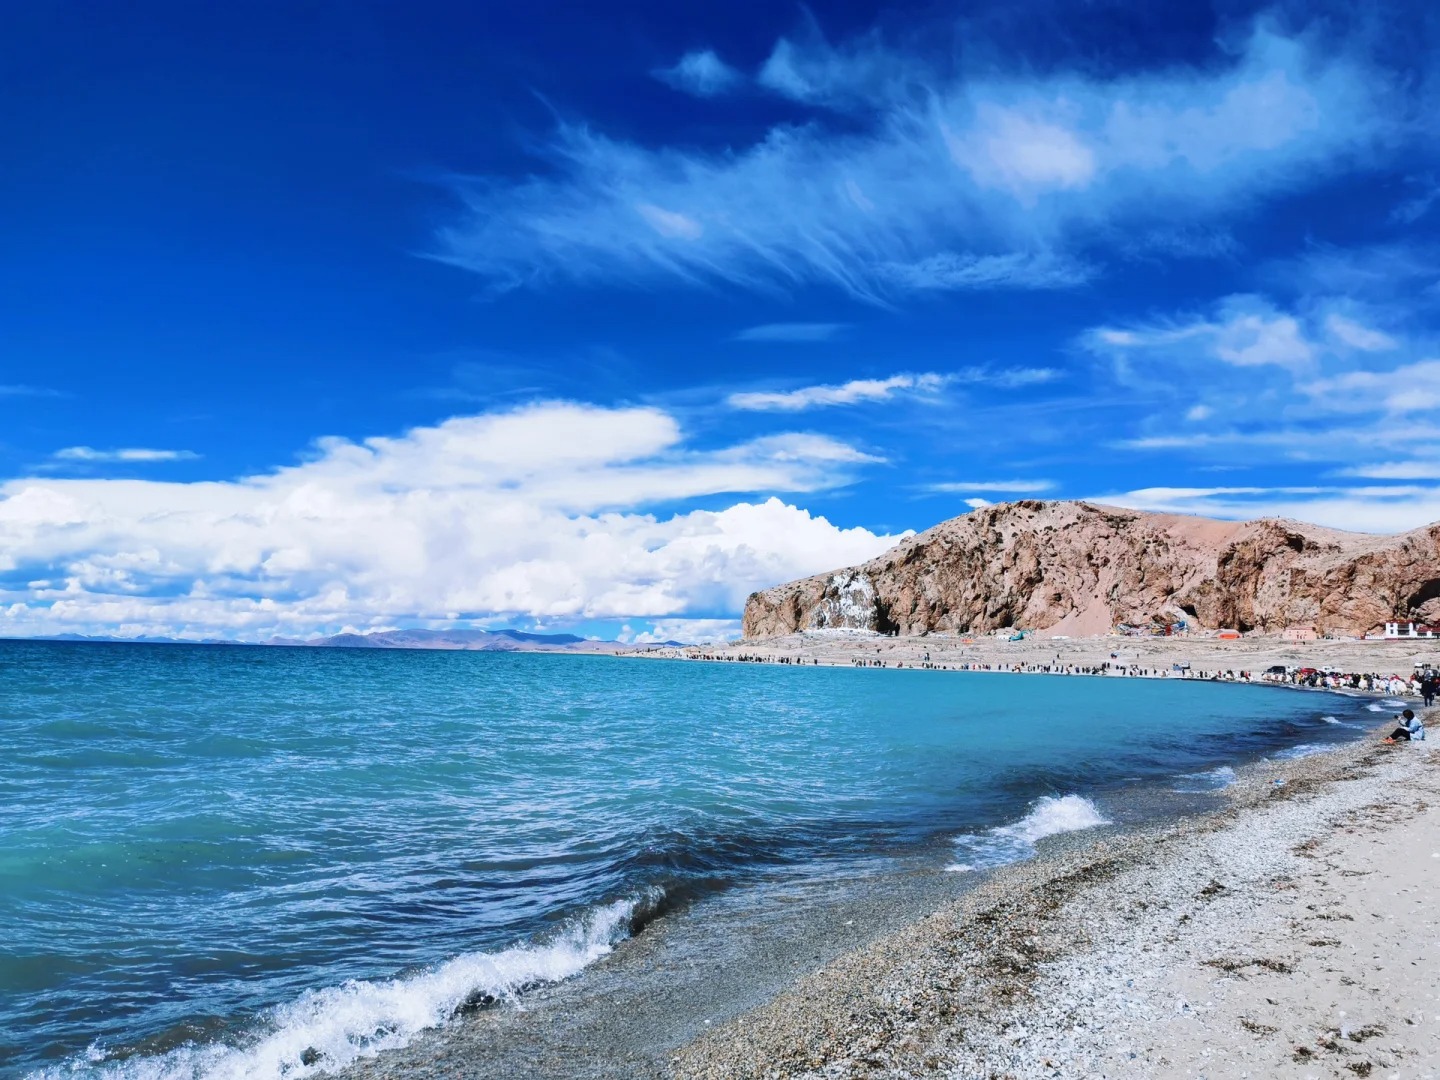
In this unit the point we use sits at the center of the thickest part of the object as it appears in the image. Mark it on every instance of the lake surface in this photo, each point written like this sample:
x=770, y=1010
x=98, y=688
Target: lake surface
x=259, y=862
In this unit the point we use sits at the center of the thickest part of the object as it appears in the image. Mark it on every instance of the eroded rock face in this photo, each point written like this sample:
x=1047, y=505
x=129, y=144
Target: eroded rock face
x=1081, y=568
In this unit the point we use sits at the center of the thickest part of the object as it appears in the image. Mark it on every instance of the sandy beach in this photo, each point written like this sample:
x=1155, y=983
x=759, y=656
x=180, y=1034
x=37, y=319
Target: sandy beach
x=1291, y=934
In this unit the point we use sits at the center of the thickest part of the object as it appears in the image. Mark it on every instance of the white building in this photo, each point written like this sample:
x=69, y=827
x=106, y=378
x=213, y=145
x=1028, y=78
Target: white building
x=1410, y=630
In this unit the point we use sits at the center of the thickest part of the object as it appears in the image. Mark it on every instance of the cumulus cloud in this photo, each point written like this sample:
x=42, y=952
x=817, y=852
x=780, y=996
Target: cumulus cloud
x=701, y=73
x=539, y=512
x=931, y=180
x=691, y=631
x=851, y=393
x=131, y=454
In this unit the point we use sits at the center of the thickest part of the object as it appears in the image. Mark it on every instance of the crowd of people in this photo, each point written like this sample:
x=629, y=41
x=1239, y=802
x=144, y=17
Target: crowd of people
x=1423, y=683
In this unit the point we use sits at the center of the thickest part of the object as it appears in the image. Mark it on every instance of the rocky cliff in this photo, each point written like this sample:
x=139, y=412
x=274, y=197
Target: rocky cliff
x=1080, y=568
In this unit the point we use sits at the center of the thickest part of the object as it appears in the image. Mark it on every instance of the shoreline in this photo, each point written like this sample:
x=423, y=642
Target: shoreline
x=628, y=1036
x=1108, y=656
x=1231, y=940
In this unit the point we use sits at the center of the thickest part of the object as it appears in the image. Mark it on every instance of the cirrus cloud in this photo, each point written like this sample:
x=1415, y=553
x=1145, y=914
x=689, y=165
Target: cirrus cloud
x=850, y=393
x=930, y=180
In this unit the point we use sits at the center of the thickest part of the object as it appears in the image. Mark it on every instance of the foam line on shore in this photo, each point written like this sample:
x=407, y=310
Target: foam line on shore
x=1209, y=780
x=325, y=1030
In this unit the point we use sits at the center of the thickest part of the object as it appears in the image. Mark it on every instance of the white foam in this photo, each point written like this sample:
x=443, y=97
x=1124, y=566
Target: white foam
x=1303, y=750
x=1330, y=719
x=1392, y=703
x=328, y=1029
x=1376, y=706
x=1049, y=816
x=1210, y=780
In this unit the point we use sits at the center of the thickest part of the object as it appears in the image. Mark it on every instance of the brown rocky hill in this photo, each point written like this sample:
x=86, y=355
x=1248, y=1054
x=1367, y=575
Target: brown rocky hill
x=1079, y=568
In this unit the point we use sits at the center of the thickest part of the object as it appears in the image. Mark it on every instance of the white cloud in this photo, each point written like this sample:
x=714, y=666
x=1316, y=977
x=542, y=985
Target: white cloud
x=670, y=223
x=948, y=271
x=22, y=390
x=1383, y=509
x=690, y=631
x=851, y=77
x=802, y=331
x=132, y=454
x=1018, y=487
x=701, y=73
x=1244, y=331
x=977, y=504
x=1357, y=336
x=850, y=393
x=1025, y=155
x=1196, y=413
x=1396, y=470
x=1408, y=388
x=1006, y=378
x=932, y=180
x=1256, y=340
x=538, y=512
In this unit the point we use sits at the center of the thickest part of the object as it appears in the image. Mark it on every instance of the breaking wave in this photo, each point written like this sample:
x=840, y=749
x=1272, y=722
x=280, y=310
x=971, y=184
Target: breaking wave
x=324, y=1030
x=1049, y=815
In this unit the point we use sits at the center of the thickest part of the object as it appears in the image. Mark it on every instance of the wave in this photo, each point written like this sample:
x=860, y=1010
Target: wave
x=324, y=1030
x=1049, y=815
x=1210, y=780
x=1330, y=719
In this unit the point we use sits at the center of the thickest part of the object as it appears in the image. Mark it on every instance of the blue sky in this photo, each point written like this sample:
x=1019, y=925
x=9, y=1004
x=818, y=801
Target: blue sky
x=584, y=317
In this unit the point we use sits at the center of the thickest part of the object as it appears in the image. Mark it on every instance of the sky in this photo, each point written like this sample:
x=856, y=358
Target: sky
x=596, y=318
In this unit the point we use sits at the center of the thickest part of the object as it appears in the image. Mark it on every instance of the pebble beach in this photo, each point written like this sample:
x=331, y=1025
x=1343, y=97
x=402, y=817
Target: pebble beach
x=1292, y=933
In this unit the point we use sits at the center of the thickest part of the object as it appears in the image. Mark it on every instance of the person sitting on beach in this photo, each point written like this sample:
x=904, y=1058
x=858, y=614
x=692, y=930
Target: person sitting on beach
x=1410, y=729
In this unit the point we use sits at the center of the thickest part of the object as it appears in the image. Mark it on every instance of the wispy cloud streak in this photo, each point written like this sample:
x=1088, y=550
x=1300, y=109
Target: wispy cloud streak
x=130, y=454
x=851, y=393
x=954, y=183
x=802, y=331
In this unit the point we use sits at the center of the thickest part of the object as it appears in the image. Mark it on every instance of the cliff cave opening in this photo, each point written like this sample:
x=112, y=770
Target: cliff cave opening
x=1423, y=595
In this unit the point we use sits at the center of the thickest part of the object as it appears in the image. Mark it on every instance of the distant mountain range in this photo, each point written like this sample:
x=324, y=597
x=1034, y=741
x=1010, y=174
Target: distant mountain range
x=455, y=640
x=470, y=640
x=143, y=639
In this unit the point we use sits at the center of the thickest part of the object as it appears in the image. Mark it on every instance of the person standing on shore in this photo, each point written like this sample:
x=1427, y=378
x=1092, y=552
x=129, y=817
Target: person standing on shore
x=1427, y=688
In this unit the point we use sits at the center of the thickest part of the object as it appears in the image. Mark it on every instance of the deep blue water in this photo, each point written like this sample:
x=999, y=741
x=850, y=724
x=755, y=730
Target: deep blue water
x=223, y=861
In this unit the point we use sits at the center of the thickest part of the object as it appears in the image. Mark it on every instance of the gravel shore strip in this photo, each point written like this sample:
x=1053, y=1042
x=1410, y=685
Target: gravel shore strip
x=1067, y=965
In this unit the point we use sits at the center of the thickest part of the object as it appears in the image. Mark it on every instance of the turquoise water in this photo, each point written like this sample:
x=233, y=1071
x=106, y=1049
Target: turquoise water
x=235, y=861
